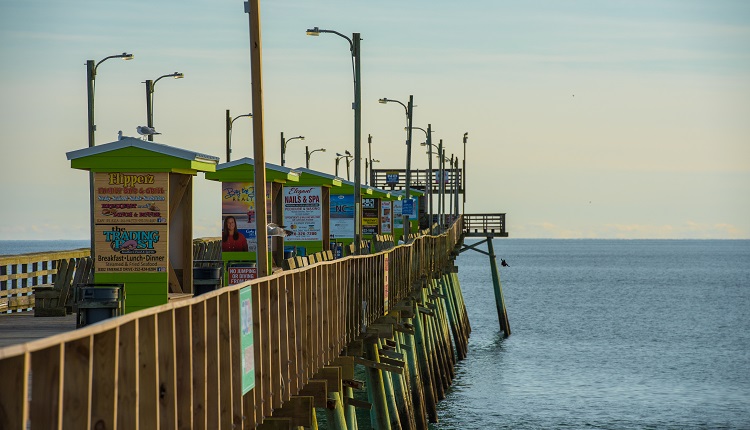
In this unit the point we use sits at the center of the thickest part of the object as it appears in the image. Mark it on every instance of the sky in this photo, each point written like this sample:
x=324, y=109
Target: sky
x=586, y=118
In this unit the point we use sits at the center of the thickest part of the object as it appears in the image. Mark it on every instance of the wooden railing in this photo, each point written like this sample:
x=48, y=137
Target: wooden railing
x=179, y=365
x=484, y=225
x=19, y=274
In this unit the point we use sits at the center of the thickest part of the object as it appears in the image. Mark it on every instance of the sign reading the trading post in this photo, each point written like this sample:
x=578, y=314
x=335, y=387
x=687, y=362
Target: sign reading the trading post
x=303, y=213
x=130, y=222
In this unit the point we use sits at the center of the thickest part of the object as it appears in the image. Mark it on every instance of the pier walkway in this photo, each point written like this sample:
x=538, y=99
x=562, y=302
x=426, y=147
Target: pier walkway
x=398, y=314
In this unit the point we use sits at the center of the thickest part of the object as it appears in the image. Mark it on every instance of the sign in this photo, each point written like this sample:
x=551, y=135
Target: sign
x=131, y=248
x=370, y=216
x=238, y=216
x=131, y=198
x=391, y=178
x=246, y=340
x=303, y=213
x=446, y=176
x=239, y=273
x=386, y=218
x=342, y=216
x=407, y=208
x=398, y=218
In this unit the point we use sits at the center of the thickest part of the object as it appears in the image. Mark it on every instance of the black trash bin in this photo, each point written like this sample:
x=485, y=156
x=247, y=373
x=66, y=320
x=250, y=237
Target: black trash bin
x=98, y=302
x=206, y=279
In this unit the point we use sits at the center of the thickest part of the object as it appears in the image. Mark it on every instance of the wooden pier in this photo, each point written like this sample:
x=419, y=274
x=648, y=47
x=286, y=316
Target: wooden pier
x=398, y=313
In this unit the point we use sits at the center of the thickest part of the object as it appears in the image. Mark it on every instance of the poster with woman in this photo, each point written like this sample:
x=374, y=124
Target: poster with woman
x=238, y=216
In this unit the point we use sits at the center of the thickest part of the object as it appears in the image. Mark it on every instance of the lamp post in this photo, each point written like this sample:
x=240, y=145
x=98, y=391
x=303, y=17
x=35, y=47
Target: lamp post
x=309, y=153
x=371, y=162
x=428, y=188
x=231, y=121
x=407, y=192
x=91, y=67
x=339, y=156
x=284, y=143
x=354, y=48
x=150, y=98
x=368, y=178
x=463, y=174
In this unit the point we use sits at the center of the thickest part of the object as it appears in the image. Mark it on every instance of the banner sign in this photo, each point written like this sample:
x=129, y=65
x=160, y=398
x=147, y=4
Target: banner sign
x=370, y=216
x=391, y=178
x=398, y=218
x=238, y=216
x=239, y=273
x=386, y=218
x=303, y=213
x=131, y=248
x=407, y=208
x=131, y=198
x=246, y=340
x=342, y=216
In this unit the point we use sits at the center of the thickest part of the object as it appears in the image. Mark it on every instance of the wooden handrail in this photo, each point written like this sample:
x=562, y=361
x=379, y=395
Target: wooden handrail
x=180, y=362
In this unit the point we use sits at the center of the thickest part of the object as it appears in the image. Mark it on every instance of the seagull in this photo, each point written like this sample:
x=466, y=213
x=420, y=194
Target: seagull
x=145, y=130
x=277, y=230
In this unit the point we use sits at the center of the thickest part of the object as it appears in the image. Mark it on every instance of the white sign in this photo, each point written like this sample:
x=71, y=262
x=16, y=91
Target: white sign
x=303, y=213
x=386, y=218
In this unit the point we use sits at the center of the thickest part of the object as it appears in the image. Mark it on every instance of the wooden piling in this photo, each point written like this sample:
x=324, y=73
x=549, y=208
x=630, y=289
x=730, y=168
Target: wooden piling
x=502, y=315
x=424, y=366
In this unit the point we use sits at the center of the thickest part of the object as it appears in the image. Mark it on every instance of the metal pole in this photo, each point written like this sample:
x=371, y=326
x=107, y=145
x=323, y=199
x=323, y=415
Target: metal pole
x=431, y=178
x=150, y=106
x=407, y=193
x=252, y=7
x=357, y=142
x=348, y=163
x=283, y=148
x=450, y=202
x=441, y=189
x=337, y=166
x=90, y=76
x=229, y=134
x=369, y=155
x=463, y=174
x=455, y=188
x=307, y=156
x=367, y=182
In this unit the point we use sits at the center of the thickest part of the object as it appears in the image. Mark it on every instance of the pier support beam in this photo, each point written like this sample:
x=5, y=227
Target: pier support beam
x=502, y=315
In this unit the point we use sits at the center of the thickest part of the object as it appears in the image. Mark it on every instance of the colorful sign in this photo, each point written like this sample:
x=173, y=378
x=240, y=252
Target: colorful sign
x=398, y=217
x=246, y=340
x=386, y=217
x=238, y=216
x=370, y=216
x=131, y=248
x=407, y=207
x=131, y=198
x=342, y=216
x=303, y=213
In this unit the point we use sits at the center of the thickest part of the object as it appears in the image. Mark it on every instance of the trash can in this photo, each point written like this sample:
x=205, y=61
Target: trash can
x=289, y=252
x=206, y=279
x=98, y=302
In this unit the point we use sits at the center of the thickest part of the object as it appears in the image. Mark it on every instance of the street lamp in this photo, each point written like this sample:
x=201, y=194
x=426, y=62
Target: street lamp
x=371, y=163
x=441, y=175
x=428, y=143
x=150, y=98
x=357, y=106
x=284, y=143
x=409, y=116
x=91, y=67
x=348, y=156
x=231, y=121
x=309, y=153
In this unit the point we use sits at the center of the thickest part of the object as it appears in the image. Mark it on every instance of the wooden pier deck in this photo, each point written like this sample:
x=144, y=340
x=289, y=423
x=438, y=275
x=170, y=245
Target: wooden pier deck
x=23, y=327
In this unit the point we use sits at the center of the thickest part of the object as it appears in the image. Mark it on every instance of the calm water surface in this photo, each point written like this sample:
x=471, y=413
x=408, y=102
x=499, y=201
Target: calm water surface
x=607, y=335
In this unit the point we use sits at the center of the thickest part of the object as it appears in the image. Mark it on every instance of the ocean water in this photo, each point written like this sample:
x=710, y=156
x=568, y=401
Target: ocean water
x=606, y=334
x=13, y=247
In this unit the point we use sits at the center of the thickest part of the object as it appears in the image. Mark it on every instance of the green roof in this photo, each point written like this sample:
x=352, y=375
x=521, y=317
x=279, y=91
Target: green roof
x=243, y=170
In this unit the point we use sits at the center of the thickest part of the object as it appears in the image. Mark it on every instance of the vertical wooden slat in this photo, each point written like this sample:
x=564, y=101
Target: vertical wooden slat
x=283, y=339
x=326, y=333
x=213, y=393
x=104, y=390
x=309, y=329
x=257, y=341
x=274, y=343
x=14, y=393
x=127, y=377
x=235, y=331
x=315, y=317
x=77, y=384
x=291, y=317
x=167, y=370
x=225, y=363
x=46, y=389
x=148, y=374
x=184, y=366
x=199, y=365
x=299, y=325
x=266, y=339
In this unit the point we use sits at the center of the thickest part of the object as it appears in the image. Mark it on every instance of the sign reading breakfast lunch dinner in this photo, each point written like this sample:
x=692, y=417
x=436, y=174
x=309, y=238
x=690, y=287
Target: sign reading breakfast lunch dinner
x=131, y=198
x=130, y=222
x=131, y=248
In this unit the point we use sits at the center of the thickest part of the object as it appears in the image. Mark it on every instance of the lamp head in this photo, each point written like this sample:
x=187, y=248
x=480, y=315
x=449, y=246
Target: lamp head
x=466, y=136
x=178, y=75
x=313, y=31
x=340, y=155
x=302, y=138
x=322, y=149
x=126, y=56
x=383, y=100
x=374, y=161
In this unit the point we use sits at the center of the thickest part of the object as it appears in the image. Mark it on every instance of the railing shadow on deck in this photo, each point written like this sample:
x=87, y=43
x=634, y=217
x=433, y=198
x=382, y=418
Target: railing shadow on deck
x=179, y=365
